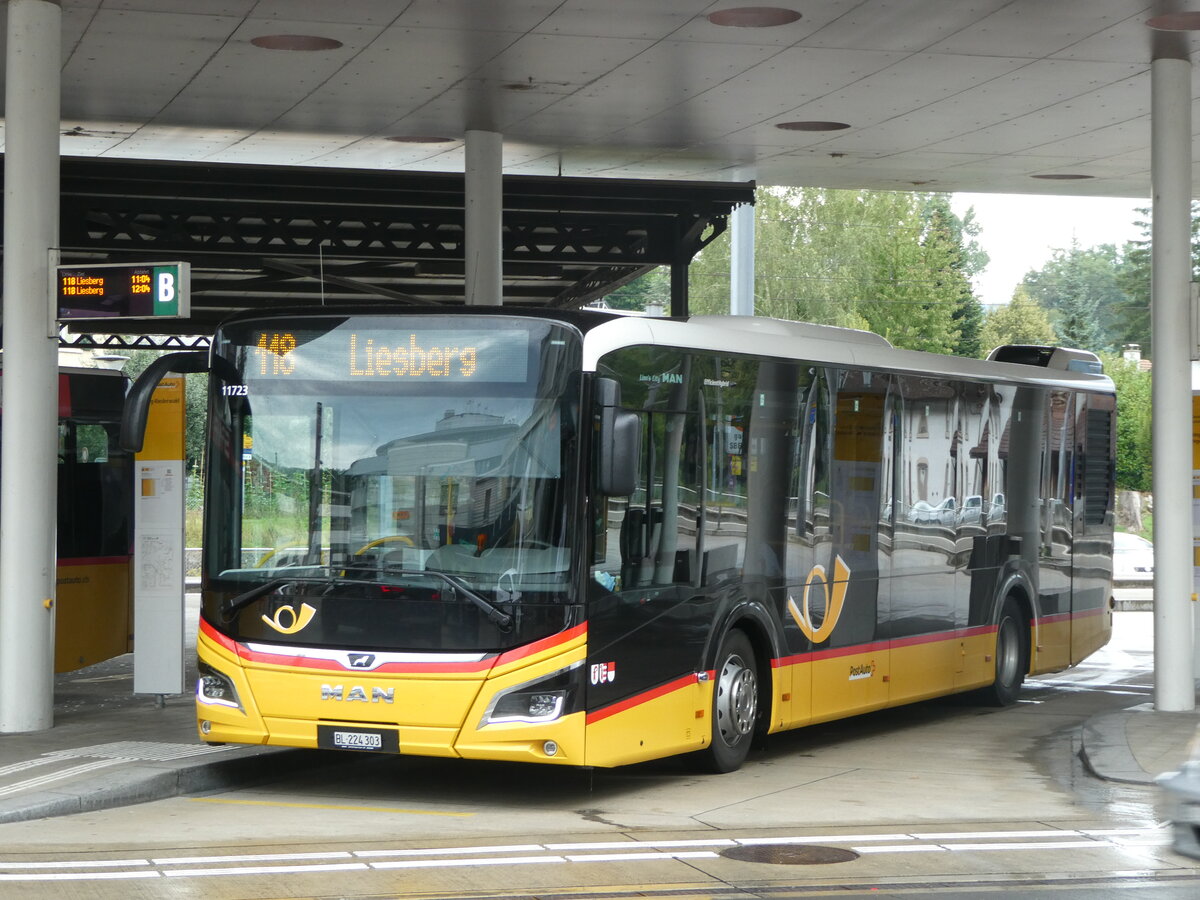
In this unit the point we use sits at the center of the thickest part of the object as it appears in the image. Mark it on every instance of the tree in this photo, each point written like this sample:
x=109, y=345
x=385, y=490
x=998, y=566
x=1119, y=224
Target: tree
x=1133, y=461
x=890, y=262
x=1078, y=307
x=967, y=259
x=1081, y=290
x=652, y=288
x=1133, y=276
x=1020, y=321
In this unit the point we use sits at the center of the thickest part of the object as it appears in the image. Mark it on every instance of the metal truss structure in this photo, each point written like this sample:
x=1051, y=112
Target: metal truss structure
x=269, y=237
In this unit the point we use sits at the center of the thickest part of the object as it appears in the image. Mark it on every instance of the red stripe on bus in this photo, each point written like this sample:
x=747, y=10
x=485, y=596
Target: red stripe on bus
x=877, y=646
x=562, y=637
x=305, y=662
x=1056, y=617
x=217, y=638
x=645, y=697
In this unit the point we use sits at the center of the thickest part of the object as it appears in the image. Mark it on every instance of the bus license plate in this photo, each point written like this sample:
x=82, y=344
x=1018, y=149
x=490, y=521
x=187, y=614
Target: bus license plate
x=371, y=740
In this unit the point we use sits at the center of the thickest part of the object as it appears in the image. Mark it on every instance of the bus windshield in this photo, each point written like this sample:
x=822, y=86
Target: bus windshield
x=412, y=453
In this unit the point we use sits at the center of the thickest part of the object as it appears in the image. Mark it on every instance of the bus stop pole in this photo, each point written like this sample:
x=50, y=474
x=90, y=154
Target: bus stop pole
x=483, y=277
x=28, y=478
x=1171, y=407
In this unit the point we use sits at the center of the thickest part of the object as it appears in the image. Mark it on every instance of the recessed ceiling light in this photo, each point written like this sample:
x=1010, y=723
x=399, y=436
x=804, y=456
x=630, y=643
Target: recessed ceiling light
x=812, y=126
x=1063, y=176
x=421, y=139
x=1176, y=21
x=753, y=16
x=295, y=42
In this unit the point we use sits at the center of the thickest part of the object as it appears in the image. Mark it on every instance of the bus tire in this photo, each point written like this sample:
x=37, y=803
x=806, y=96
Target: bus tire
x=734, y=705
x=1012, y=655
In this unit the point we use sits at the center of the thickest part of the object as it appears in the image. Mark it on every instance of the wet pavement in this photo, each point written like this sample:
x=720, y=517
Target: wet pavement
x=110, y=748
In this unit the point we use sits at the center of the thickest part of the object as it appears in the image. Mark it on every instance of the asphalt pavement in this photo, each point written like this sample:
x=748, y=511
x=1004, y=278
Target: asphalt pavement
x=109, y=747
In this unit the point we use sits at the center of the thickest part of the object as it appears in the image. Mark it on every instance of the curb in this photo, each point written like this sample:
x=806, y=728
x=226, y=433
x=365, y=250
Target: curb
x=143, y=782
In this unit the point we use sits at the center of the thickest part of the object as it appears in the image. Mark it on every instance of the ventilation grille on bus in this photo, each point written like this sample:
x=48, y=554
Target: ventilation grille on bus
x=1097, y=465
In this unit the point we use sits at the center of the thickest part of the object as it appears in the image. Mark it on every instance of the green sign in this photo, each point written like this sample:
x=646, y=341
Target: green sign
x=123, y=290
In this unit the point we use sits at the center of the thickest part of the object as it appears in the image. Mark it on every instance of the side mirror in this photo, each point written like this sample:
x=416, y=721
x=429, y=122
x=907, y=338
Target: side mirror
x=618, y=442
x=137, y=401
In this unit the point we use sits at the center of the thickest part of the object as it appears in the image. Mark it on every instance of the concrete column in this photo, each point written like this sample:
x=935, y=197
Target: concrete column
x=28, y=480
x=1171, y=266
x=484, y=282
x=741, y=261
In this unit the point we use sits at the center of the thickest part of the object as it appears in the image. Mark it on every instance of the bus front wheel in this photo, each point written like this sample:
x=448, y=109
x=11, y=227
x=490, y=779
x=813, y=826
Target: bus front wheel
x=735, y=704
x=1012, y=654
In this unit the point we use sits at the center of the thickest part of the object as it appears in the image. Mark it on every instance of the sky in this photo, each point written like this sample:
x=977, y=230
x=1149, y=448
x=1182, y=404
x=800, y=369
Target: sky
x=1021, y=231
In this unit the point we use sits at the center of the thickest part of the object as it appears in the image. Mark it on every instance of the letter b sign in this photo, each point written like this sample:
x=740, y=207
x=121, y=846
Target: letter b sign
x=171, y=289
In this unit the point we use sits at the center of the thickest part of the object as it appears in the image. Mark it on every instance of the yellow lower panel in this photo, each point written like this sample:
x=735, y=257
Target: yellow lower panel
x=91, y=619
x=1051, y=646
x=979, y=660
x=522, y=742
x=228, y=725
x=793, y=691
x=346, y=696
x=846, y=685
x=1090, y=632
x=414, y=741
x=674, y=722
x=923, y=670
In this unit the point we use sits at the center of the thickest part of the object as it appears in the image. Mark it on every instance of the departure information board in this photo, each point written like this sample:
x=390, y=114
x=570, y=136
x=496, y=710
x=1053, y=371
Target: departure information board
x=121, y=290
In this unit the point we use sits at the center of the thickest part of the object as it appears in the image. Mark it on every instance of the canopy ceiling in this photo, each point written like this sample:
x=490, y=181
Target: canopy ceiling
x=983, y=95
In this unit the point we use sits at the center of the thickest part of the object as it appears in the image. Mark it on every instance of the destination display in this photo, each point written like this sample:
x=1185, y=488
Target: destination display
x=394, y=355
x=119, y=290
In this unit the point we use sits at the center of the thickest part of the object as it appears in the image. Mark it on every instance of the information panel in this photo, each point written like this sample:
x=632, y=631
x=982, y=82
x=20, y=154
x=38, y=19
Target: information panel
x=124, y=290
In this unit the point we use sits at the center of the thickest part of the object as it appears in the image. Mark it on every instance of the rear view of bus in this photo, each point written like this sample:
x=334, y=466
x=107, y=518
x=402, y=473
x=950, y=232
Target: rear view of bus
x=390, y=538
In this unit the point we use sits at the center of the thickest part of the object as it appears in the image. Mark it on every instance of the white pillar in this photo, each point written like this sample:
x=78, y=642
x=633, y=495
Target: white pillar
x=483, y=281
x=1171, y=155
x=28, y=480
x=741, y=261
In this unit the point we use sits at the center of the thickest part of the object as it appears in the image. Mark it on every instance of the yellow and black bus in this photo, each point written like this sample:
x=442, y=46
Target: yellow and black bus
x=579, y=538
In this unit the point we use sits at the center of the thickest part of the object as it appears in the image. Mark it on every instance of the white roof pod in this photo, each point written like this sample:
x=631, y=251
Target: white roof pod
x=1049, y=357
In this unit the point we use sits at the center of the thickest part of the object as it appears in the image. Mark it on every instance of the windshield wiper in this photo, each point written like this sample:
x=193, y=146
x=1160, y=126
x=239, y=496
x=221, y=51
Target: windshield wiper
x=494, y=614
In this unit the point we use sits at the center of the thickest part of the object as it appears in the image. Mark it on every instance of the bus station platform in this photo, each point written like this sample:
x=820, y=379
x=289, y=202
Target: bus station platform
x=111, y=748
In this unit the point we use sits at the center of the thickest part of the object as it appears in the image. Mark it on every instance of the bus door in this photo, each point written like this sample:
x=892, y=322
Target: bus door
x=1053, y=647
x=923, y=583
x=1091, y=569
x=833, y=598
x=853, y=676
x=648, y=617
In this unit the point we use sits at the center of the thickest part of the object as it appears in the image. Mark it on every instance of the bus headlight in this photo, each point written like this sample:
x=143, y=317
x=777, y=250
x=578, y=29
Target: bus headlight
x=216, y=689
x=543, y=700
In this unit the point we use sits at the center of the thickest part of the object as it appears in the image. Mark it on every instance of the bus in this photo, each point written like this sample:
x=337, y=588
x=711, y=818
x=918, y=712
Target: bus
x=588, y=539
x=93, y=610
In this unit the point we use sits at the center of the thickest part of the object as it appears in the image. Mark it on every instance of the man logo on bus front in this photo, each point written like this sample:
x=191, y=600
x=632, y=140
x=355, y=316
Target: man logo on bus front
x=836, y=594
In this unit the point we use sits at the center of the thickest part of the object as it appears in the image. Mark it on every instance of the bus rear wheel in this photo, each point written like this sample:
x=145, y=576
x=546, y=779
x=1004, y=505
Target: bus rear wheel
x=1012, y=655
x=735, y=704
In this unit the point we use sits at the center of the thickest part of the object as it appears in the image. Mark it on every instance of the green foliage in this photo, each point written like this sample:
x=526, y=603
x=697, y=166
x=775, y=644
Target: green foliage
x=1133, y=276
x=896, y=263
x=1081, y=290
x=652, y=288
x=1133, y=424
x=1020, y=321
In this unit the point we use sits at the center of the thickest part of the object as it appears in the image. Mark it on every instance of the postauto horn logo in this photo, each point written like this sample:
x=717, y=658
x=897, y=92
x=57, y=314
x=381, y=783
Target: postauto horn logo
x=837, y=597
